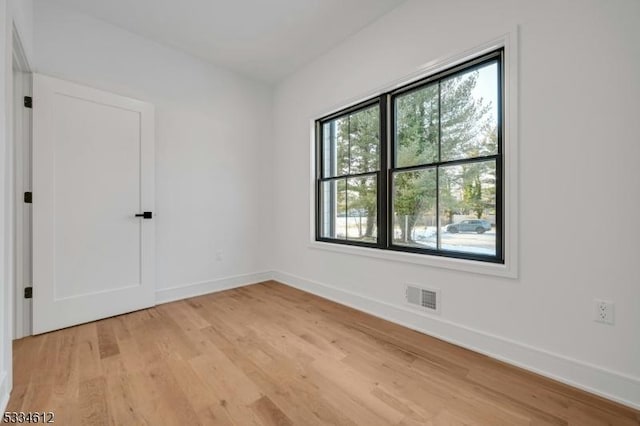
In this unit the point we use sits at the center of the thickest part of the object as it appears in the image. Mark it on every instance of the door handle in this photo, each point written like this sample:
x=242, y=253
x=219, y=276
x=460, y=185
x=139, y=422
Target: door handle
x=145, y=215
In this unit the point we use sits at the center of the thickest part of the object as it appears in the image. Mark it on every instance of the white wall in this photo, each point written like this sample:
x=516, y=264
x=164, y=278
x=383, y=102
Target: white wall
x=18, y=14
x=213, y=130
x=579, y=148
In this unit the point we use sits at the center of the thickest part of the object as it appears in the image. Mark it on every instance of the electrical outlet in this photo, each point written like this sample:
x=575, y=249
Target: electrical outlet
x=603, y=311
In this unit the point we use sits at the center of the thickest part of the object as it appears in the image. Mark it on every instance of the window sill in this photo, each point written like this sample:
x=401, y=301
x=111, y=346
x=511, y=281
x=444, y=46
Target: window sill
x=462, y=265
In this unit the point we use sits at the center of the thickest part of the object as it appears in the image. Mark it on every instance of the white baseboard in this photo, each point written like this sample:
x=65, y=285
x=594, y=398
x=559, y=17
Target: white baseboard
x=185, y=291
x=606, y=383
x=5, y=391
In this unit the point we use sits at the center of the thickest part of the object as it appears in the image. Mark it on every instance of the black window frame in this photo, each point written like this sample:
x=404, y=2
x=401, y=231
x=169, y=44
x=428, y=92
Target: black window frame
x=387, y=150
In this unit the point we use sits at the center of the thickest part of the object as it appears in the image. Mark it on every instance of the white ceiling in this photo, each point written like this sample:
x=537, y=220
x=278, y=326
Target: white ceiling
x=263, y=39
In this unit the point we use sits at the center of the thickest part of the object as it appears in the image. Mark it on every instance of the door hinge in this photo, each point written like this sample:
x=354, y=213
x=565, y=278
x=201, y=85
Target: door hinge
x=28, y=292
x=28, y=102
x=28, y=197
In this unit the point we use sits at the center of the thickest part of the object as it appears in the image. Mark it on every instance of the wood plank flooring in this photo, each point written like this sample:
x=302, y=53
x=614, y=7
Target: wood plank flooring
x=268, y=354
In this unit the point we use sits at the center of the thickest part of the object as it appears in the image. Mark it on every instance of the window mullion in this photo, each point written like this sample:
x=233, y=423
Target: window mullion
x=438, y=230
x=349, y=145
x=383, y=189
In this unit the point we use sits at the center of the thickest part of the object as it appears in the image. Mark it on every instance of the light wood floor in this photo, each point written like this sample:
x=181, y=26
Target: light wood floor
x=271, y=355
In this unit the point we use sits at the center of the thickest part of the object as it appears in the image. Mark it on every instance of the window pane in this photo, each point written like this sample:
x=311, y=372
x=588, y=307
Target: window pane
x=335, y=148
x=333, y=199
x=414, y=209
x=416, y=138
x=351, y=144
x=468, y=208
x=469, y=104
x=364, y=140
x=328, y=151
x=362, y=212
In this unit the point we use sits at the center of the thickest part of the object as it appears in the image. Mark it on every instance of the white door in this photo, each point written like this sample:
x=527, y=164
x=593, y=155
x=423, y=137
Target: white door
x=93, y=171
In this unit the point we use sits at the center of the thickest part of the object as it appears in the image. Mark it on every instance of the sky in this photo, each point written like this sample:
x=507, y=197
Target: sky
x=487, y=86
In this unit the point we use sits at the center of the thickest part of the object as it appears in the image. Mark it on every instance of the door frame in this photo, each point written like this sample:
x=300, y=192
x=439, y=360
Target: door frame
x=20, y=150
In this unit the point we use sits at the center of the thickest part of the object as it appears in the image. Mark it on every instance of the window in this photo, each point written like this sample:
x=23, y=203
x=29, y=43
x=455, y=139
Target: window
x=418, y=169
x=349, y=188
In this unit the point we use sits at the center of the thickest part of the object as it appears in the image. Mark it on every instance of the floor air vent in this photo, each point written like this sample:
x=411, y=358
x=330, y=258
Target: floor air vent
x=428, y=299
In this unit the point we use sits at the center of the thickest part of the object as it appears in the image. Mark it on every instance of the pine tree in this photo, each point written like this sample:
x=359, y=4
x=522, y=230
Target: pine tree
x=442, y=114
x=358, y=152
x=463, y=125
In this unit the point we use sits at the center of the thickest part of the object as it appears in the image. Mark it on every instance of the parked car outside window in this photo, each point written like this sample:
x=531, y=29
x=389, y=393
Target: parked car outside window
x=479, y=226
